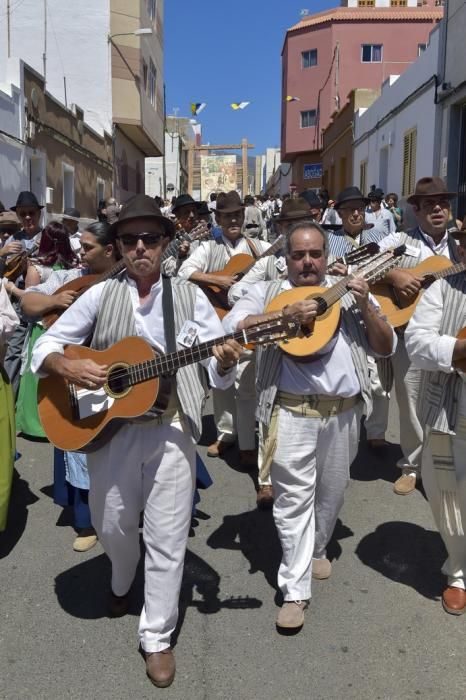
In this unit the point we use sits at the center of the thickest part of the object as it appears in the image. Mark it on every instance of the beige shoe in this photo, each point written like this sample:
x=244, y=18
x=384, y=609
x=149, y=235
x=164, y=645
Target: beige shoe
x=218, y=448
x=291, y=615
x=321, y=568
x=405, y=485
x=85, y=540
x=160, y=667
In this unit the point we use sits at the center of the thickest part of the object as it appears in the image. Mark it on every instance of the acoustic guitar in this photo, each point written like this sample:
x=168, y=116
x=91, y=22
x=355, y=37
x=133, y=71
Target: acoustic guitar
x=199, y=233
x=313, y=337
x=76, y=418
x=237, y=266
x=461, y=364
x=80, y=285
x=399, y=310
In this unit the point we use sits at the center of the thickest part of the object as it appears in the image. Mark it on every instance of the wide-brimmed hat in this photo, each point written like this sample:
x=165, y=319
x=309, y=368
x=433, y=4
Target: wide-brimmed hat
x=9, y=220
x=202, y=209
x=72, y=214
x=430, y=187
x=140, y=206
x=228, y=202
x=376, y=194
x=349, y=194
x=27, y=199
x=293, y=209
x=182, y=200
x=312, y=198
x=459, y=233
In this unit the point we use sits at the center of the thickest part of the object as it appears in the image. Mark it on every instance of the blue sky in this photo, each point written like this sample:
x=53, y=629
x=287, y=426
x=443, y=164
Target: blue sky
x=220, y=52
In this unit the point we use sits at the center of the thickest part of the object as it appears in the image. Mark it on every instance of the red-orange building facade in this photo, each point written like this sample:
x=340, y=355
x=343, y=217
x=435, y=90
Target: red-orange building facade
x=327, y=55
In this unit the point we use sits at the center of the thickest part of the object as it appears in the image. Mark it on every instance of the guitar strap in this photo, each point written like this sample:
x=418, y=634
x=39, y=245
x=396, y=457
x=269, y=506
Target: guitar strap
x=168, y=314
x=252, y=248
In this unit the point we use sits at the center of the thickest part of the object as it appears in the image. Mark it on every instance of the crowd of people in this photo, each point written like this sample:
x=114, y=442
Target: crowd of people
x=197, y=281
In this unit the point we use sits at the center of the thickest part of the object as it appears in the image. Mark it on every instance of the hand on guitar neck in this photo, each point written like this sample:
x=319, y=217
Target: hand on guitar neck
x=204, y=279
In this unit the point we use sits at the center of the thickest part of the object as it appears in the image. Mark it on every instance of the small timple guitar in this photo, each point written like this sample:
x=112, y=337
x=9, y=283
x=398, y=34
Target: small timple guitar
x=398, y=310
x=314, y=336
x=75, y=418
x=357, y=256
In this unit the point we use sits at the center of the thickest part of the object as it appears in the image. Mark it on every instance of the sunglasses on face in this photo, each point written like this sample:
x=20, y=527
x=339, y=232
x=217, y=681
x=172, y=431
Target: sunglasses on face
x=131, y=239
x=23, y=213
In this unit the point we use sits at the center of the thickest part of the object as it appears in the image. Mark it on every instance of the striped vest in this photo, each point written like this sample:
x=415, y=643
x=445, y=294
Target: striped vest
x=115, y=320
x=339, y=245
x=415, y=239
x=440, y=392
x=269, y=358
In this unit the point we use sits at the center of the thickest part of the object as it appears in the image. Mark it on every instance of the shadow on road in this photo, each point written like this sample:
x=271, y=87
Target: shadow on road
x=21, y=498
x=408, y=554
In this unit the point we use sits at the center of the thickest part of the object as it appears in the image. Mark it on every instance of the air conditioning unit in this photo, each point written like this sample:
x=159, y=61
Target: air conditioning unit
x=49, y=195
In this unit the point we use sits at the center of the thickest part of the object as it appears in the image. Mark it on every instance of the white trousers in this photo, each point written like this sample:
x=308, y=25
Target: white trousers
x=310, y=472
x=234, y=409
x=407, y=382
x=152, y=468
x=455, y=566
x=376, y=424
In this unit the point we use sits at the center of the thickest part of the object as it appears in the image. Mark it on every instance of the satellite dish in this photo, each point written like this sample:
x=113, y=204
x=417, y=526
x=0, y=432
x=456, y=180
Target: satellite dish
x=304, y=13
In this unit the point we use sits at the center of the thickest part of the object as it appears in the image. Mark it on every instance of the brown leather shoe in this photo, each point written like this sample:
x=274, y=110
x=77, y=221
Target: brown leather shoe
x=454, y=600
x=160, y=667
x=218, y=448
x=405, y=485
x=248, y=459
x=118, y=605
x=264, y=498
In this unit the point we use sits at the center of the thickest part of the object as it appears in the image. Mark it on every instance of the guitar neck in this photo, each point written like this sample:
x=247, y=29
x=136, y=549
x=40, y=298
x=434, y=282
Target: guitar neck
x=270, y=251
x=453, y=270
x=170, y=362
x=115, y=270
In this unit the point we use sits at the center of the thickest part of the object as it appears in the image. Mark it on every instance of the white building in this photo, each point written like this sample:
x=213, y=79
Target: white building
x=94, y=54
x=14, y=171
x=394, y=137
x=451, y=99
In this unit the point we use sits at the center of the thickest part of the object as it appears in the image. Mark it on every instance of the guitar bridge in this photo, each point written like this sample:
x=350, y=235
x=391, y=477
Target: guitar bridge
x=73, y=398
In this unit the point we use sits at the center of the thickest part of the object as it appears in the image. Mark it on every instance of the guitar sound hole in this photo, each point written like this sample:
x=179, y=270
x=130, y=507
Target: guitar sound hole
x=118, y=380
x=322, y=305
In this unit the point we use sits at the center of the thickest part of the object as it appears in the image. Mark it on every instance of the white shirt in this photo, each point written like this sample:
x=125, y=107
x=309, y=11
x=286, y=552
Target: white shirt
x=427, y=349
x=256, y=274
x=427, y=249
x=198, y=260
x=331, y=372
x=75, y=325
x=8, y=318
x=382, y=219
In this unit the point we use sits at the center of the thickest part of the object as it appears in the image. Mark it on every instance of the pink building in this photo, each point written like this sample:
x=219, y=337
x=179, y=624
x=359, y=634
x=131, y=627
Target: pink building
x=328, y=54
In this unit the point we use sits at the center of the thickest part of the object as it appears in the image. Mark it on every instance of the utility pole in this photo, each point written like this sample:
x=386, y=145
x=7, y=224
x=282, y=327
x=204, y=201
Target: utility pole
x=44, y=55
x=8, y=27
x=244, y=161
x=164, y=160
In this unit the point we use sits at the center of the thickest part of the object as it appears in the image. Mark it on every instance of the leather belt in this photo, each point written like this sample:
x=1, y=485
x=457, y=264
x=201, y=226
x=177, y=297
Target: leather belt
x=316, y=405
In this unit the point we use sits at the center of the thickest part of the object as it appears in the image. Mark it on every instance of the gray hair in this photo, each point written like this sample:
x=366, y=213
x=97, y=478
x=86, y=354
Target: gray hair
x=303, y=225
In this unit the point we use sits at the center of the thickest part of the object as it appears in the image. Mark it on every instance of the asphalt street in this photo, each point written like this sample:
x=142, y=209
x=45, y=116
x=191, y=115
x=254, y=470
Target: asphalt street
x=374, y=630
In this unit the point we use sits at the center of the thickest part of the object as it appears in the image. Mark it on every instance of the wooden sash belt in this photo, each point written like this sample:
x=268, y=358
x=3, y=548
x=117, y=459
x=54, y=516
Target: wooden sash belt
x=316, y=406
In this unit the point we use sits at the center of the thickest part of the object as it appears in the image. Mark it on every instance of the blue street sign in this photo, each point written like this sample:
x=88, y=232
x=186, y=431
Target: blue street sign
x=312, y=171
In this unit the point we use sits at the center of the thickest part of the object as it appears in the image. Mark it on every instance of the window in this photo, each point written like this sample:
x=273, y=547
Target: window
x=100, y=191
x=308, y=118
x=144, y=76
x=152, y=8
x=152, y=82
x=371, y=53
x=421, y=48
x=308, y=58
x=409, y=162
x=398, y=3
x=366, y=3
x=363, y=176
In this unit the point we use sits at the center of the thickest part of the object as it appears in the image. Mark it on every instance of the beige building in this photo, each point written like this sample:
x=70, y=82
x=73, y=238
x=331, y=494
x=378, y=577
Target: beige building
x=108, y=59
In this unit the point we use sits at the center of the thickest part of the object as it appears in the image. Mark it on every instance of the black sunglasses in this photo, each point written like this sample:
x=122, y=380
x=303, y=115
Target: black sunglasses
x=131, y=239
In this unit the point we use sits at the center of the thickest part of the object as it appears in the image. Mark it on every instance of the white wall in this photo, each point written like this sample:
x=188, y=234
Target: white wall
x=375, y=129
x=154, y=169
x=77, y=48
x=13, y=159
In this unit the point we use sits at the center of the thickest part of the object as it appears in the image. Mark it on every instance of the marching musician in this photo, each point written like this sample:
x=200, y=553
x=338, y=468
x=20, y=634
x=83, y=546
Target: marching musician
x=147, y=465
x=27, y=239
x=309, y=412
x=233, y=409
x=431, y=206
x=433, y=348
x=354, y=233
x=71, y=478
